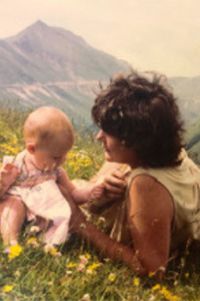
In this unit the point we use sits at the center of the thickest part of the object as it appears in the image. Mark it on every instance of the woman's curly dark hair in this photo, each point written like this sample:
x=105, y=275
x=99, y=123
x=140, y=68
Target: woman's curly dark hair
x=143, y=114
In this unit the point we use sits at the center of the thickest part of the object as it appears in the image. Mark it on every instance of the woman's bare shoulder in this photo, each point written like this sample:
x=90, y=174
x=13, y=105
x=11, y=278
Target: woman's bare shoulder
x=148, y=190
x=145, y=182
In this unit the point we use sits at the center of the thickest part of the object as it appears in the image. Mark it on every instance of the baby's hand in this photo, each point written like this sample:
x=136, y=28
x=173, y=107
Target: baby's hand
x=8, y=175
x=97, y=191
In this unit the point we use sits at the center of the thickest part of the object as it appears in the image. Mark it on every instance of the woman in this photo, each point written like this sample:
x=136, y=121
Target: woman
x=140, y=126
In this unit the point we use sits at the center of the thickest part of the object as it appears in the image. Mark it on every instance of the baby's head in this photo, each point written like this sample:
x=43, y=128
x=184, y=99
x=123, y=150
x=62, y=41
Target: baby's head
x=48, y=136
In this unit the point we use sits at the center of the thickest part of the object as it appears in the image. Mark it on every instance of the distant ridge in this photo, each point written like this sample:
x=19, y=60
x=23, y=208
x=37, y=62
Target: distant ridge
x=42, y=53
x=50, y=65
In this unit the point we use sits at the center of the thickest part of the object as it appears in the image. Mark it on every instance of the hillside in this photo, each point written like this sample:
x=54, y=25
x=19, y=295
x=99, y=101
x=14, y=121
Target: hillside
x=187, y=91
x=54, y=54
x=50, y=65
x=193, y=140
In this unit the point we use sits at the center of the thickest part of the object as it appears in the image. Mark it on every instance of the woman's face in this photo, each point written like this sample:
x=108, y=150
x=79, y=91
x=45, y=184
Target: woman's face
x=115, y=151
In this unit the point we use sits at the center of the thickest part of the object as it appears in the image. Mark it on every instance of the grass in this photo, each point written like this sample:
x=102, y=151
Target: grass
x=76, y=272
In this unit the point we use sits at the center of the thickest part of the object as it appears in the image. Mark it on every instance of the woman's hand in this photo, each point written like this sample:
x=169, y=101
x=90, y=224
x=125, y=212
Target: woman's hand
x=115, y=185
x=114, y=177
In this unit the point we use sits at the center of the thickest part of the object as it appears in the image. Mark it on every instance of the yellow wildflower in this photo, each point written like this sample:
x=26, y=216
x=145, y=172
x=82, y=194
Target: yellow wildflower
x=52, y=250
x=14, y=251
x=165, y=293
x=84, y=258
x=87, y=255
x=112, y=277
x=168, y=295
x=71, y=265
x=32, y=241
x=7, y=288
x=156, y=287
x=174, y=298
x=151, y=274
x=136, y=281
x=79, y=159
x=93, y=267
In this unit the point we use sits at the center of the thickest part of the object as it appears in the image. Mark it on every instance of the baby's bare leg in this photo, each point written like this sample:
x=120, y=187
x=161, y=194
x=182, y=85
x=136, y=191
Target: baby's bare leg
x=12, y=216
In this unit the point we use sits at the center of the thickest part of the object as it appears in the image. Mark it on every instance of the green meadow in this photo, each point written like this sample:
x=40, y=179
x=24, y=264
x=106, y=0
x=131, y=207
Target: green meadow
x=75, y=271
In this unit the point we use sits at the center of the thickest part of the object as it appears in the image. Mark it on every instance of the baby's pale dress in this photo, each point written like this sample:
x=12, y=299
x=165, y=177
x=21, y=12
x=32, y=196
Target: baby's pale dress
x=45, y=204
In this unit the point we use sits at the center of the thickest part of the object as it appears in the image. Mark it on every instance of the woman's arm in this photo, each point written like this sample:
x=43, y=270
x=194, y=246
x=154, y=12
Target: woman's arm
x=104, y=244
x=109, y=247
x=150, y=212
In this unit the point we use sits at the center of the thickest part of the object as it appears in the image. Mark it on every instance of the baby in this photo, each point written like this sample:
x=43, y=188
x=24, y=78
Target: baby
x=33, y=177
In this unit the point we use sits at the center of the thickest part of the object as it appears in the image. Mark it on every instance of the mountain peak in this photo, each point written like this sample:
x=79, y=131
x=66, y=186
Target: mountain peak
x=37, y=26
x=40, y=24
x=53, y=54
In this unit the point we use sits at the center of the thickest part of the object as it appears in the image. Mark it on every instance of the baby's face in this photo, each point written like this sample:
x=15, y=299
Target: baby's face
x=49, y=159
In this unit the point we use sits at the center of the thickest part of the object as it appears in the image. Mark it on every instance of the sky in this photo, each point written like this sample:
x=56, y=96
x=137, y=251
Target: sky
x=159, y=35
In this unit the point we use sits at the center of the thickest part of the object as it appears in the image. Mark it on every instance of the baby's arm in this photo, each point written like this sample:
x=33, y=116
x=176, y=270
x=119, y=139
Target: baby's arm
x=8, y=175
x=80, y=194
x=90, y=192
